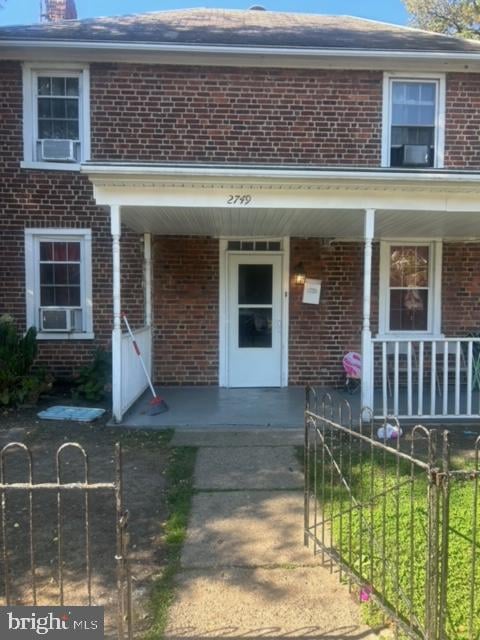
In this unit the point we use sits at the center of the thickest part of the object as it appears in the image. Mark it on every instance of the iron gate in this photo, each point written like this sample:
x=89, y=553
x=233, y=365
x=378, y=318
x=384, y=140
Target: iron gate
x=385, y=513
x=60, y=488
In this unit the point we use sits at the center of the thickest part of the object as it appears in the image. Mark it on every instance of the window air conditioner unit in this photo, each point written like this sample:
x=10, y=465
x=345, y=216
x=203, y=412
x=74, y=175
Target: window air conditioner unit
x=416, y=154
x=60, y=320
x=58, y=150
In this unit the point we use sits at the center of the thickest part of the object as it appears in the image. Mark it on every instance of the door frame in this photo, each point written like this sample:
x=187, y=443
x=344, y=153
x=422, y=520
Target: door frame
x=223, y=314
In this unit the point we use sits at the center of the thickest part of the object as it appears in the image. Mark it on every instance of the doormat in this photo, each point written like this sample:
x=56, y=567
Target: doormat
x=78, y=414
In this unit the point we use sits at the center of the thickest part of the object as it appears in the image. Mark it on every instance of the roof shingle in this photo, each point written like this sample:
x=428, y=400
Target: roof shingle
x=216, y=27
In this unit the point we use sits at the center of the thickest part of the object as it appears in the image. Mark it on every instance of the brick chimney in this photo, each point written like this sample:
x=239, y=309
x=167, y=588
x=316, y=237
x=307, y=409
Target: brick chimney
x=56, y=10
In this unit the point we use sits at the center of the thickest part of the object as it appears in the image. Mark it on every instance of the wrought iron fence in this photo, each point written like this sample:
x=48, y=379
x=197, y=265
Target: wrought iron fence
x=18, y=554
x=396, y=517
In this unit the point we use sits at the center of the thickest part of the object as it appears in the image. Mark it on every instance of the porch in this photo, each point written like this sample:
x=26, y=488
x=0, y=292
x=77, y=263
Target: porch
x=430, y=371
x=265, y=408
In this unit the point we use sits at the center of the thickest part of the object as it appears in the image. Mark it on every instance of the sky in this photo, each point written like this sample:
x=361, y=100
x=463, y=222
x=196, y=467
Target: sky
x=28, y=11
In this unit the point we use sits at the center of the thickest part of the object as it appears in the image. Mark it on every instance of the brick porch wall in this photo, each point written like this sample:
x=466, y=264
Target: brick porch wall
x=461, y=289
x=185, y=310
x=321, y=334
x=186, y=307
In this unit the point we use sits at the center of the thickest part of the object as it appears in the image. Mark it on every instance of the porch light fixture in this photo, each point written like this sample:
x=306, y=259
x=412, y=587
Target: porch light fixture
x=299, y=273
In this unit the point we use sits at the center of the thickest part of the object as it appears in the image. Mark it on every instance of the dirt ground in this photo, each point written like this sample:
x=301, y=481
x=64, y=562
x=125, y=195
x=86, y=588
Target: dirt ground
x=144, y=462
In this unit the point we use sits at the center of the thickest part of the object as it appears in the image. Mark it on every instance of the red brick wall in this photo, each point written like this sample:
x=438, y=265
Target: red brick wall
x=161, y=114
x=49, y=199
x=461, y=289
x=321, y=334
x=186, y=285
x=462, y=150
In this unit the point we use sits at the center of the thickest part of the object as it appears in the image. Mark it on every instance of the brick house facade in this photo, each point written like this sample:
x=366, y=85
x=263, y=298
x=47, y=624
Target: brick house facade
x=177, y=160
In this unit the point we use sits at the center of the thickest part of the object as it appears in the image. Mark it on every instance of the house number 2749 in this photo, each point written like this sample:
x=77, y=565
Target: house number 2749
x=241, y=199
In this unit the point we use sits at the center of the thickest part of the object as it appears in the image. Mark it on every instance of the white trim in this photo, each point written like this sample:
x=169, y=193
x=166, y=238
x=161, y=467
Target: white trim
x=116, y=230
x=379, y=175
x=147, y=258
x=285, y=309
x=64, y=336
x=50, y=166
x=32, y=237
x=244, y=51
x=223, y=312
x=440, y=82
x=434, y=287
x=367, y=347
x=30, y=122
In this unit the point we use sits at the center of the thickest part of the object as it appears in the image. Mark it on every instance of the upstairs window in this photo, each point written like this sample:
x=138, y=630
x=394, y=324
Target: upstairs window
x=413, y=122
x=56, y=127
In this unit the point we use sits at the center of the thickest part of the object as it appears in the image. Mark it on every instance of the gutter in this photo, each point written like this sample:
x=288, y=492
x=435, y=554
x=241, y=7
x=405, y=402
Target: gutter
x=294, y=52
x=134, y=171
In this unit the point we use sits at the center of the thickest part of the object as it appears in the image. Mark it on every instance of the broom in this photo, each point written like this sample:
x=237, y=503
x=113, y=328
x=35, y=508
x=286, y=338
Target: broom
x=157, y=404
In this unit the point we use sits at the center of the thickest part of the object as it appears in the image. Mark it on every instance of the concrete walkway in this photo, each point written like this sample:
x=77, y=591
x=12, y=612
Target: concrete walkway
x=245, y=572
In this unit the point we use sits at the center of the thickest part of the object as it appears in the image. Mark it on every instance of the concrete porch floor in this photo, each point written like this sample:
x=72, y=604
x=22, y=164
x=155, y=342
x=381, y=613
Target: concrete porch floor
x=215, y=407
x=220, y=407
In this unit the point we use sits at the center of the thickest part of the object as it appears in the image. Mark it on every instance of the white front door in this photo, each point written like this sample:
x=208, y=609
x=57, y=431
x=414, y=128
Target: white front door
x=255, y=320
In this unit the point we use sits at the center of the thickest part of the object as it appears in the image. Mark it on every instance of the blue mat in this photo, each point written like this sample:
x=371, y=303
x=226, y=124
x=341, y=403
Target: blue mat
x=79, y=414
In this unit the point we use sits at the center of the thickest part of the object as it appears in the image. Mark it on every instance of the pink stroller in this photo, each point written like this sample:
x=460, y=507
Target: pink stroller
x=352, y=365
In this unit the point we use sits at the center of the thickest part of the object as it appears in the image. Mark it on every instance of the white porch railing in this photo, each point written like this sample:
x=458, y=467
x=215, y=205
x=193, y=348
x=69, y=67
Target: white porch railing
x=428, y=378
x=133, y=380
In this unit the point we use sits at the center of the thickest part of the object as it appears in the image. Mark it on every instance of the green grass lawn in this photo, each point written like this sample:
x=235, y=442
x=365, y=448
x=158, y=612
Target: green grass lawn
x=384, y=541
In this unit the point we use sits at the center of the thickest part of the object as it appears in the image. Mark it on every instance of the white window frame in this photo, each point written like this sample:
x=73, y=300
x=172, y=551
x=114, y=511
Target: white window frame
x=33, y=237
x=439, y=79
x=434, y=287
x=31, y=71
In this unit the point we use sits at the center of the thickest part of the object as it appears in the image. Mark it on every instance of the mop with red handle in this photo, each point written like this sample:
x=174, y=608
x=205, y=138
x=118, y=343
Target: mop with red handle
x=158, y=404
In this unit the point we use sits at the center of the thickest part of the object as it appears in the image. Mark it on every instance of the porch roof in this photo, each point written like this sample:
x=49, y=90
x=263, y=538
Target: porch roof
x=289, y=201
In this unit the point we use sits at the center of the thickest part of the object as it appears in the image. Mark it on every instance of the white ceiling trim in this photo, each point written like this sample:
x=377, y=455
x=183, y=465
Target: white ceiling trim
x=280, y=190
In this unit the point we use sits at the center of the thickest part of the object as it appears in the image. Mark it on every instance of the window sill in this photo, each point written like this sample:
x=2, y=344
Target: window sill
x=52, y=335
x=50, y=166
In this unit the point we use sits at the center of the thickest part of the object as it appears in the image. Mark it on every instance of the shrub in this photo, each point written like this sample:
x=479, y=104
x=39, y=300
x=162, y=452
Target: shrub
x=18, y=383
x=94, y=381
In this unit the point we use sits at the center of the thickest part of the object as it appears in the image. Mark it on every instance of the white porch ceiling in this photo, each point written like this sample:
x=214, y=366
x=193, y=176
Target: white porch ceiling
x=217, y=221
x=427, y=224
x=329, y=223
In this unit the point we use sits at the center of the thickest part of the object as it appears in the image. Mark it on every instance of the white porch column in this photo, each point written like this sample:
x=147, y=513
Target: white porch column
x=115, y=226
x=367, y=349
x=147, y=257
x=147, y=254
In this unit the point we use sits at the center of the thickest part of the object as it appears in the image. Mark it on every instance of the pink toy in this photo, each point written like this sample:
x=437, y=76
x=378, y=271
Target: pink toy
x=352, y=365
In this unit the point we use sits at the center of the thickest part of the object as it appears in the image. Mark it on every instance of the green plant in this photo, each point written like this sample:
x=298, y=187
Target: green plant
x=94, y=380
x=179, y=498
x=18, y=383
